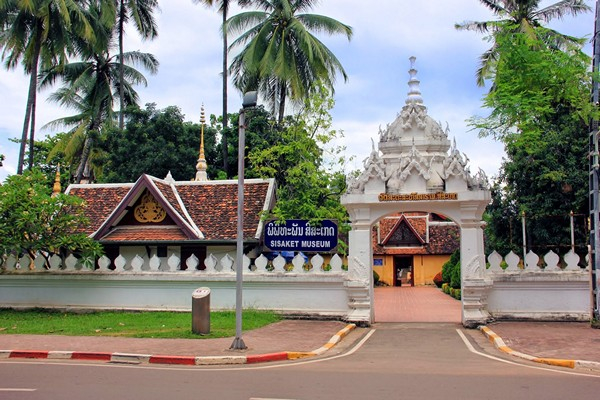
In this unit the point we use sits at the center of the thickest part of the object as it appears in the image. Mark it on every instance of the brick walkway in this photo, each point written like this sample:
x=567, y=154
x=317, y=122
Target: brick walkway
x=415, y=304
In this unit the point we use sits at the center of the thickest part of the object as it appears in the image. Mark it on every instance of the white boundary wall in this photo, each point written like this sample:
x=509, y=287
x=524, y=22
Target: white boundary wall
x=560, y=291
x=306, y=287
x=324, y=295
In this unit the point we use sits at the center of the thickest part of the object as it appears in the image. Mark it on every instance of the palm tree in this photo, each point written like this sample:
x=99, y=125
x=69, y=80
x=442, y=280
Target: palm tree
x=523, y=16
x=282, y=58
x=224, y=10
x=36, y=33
x=91, y=87
x=142, y=14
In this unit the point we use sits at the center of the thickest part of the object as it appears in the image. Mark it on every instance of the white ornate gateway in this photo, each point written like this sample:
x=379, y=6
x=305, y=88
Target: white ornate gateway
x=416, y=169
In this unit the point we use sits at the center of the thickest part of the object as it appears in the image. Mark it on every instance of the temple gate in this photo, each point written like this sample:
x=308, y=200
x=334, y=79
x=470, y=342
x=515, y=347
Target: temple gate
x=415, y=168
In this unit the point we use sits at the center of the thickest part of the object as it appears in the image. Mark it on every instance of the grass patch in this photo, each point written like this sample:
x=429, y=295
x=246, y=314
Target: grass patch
x=175, y=325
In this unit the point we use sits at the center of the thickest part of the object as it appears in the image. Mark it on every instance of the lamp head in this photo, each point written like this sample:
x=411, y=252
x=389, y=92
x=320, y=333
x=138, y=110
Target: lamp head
x=250, y=99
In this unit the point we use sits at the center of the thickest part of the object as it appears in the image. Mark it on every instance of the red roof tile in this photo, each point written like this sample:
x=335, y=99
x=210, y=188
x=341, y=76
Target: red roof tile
x=100, y=201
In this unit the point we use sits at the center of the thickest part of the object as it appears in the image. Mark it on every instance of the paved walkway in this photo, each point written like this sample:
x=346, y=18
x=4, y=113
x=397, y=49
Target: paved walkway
x=415, y=304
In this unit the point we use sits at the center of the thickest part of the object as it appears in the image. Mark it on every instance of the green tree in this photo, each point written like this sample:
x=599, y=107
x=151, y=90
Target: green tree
x=526, y=17
x=90, y=87
x=540, y=109
x=224, y=6
x=157, y=142
x=33, y=222
x=307, y=165
x=281, y=57
x=47, y=159
x=141, y=12
x=36, y=33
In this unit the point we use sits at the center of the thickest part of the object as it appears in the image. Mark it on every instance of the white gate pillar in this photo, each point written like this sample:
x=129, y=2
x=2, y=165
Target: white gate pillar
x=474, y=285
x=360, y=278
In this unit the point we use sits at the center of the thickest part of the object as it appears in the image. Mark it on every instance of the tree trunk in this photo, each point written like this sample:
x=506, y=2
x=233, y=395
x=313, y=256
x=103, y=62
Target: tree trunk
x=281, y=102
x=85, y=155
x=121, y=64
x=87, y=148
x=30, y=108
x=32, y=127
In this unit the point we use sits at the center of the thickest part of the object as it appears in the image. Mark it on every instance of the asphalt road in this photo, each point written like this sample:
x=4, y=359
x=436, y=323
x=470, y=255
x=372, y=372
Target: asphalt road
x=392, y=361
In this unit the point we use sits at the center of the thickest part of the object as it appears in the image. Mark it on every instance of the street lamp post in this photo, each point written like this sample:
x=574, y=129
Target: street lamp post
x=248, y=101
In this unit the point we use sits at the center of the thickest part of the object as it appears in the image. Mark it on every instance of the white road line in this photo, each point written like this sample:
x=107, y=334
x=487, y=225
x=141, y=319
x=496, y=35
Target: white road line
x=473, y=350
x=16, y=390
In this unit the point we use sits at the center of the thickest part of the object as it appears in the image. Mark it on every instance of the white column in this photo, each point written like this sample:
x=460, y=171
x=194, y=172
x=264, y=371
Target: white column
x=360, y=275
x=475, y=286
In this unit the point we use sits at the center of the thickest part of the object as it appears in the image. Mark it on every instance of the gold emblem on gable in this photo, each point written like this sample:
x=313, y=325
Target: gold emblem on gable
x=149, y=210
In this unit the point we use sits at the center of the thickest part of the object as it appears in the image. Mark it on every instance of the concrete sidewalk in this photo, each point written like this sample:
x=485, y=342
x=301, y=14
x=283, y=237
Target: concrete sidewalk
x=288, y=339
x=566, y=344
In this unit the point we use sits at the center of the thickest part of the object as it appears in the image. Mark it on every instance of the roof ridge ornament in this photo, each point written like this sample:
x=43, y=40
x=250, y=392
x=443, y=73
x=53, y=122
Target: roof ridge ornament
x=56, y=188
x=414, y=92
x=201, y=165
x=169, y=178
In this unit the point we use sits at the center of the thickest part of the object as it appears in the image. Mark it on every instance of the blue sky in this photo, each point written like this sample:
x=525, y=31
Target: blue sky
x=386, y=34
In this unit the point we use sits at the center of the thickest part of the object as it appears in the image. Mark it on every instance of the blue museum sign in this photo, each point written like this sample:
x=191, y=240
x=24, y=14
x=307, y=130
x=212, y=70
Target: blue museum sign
x=301, y=235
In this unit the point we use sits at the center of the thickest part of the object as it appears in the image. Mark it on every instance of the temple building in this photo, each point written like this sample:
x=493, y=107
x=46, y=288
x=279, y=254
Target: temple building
x=162, y=217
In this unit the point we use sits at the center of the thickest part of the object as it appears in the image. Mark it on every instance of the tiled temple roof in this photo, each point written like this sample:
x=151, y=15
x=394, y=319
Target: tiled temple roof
x=194, y=210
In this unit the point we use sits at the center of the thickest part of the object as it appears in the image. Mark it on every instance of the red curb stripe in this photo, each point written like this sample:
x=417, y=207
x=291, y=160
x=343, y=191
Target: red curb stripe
x=267, y=357
x=179, y=360
x=80, y=355
x=28, y=354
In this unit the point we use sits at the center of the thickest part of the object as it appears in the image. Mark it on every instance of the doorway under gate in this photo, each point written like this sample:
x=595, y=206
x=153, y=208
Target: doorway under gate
x=403, y=271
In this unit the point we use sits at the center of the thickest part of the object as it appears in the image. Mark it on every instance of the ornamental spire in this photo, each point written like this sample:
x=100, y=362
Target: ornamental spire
x=56, y=188
x=201, y=166
x=414, y=93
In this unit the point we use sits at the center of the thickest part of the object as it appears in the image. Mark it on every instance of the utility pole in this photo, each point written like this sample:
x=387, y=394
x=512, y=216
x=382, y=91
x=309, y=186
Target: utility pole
x=594, y=201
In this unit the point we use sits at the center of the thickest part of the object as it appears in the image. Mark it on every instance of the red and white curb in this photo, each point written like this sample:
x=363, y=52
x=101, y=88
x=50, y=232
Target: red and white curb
x=174, y=360
x=574, y=364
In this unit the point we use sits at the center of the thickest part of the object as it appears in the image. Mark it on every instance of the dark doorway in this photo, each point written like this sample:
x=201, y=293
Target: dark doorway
x=403, y=271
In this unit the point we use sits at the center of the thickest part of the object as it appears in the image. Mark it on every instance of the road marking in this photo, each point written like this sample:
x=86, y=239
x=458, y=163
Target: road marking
x=16, y=390
x=473, y=350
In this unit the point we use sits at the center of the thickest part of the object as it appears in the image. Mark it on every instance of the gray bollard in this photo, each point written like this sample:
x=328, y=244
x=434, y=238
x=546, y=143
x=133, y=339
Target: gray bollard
x=201, y=311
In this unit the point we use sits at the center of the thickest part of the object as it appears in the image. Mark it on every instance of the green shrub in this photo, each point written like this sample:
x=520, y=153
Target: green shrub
x=449, y=266
x=457, y=294
x=375, y=278
x=455, y=277
x=445, y=288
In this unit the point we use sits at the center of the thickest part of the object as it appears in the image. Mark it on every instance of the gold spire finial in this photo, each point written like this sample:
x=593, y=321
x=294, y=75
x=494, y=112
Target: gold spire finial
x=201, y=165
x=56, y=188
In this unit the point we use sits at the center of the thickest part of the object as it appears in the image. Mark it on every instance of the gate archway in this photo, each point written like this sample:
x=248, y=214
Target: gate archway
x=415, y=168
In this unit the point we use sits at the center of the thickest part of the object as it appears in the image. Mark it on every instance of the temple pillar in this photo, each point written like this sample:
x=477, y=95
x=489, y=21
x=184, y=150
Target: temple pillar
x=360, y=278
x=474, y=286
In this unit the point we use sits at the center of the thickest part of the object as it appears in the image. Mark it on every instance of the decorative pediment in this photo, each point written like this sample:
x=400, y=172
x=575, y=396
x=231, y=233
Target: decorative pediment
x=149, y=202
x=374, y=169
x=402, y=234
x=456, y=165
x=412, y=165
